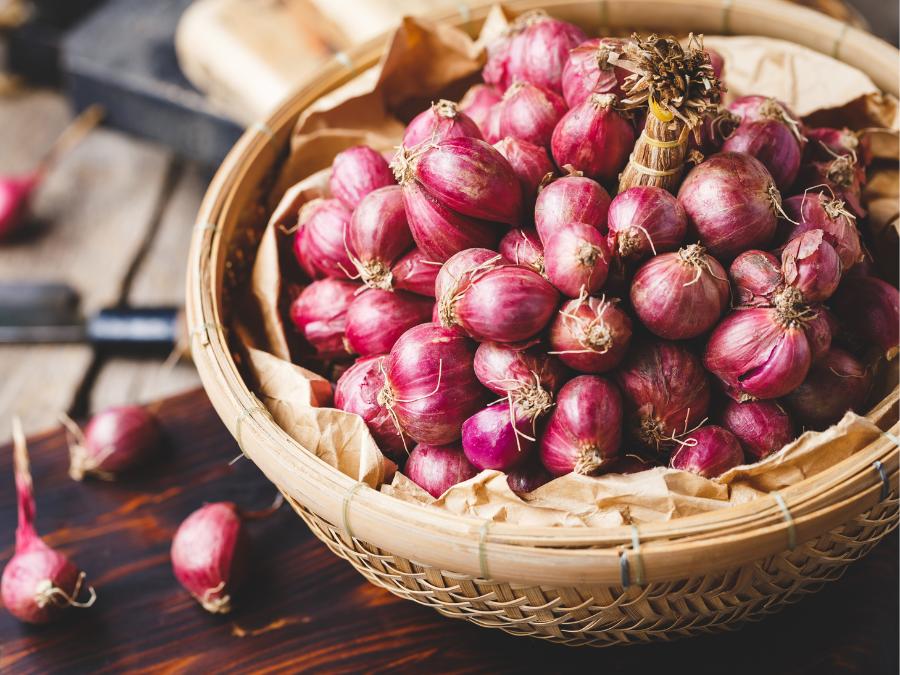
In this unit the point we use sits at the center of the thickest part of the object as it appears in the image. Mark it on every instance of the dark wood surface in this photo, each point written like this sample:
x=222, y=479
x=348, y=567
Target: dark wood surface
x=305, y=610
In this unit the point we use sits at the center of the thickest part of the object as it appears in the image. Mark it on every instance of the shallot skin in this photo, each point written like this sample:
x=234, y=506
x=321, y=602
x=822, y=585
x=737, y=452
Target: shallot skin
x=680, y=295
x=594, y=138
x=491, y=442
x=209, y=555
x=471, y=177
x=523, y=247
x=761, y=427
x=431, y=385
x=376, y=318
x=506, y=304
x=357, y=171
x=571, y=199
x=645, y=220
x=357, y=392
x=811, y=265
x=585, y=429
x=730, y=200
x=837, y=383
x=815, y=210
x=437, y=468
x=590, y=335
x=716, y=450
x=757, y=355
x=756, y=277
x=576, y=259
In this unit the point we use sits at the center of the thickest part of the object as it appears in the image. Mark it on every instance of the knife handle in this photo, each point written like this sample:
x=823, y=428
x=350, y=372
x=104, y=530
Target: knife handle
x=141, y=330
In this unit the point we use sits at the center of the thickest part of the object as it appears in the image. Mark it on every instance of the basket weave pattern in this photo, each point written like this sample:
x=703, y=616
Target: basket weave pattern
x=609, y=615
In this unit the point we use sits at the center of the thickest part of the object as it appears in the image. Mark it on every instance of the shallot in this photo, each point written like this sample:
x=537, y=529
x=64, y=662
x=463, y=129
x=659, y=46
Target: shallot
x=817, y=211
x=645, y=220
x=761, y=427
x=732, y=203
x=430, y=387
x=523, y=247
x=357, y=392
x=757, y=277
x=320, y=242
x=680, y=295
x=320, y=314
x=812, y=266
x=838, y=382
x=709, y=452
x=773, y=143
x=442, y=120
x=760, y=352
x=826, y=143
x=498, y=437
x=38, y=582
x=477, y=102
x=666, y=391
x=377, y=235
x=437, y=468
x=585, y=429
x=376, y=318
x=415, y=273
x=594, y=138
x=570, y=199
x=843, y=177
x=527, y=477
x=588, y=70
x=357, y=171
x=530, y=162
x=209, y=555
x=870, y=308
x=115, y=440
x=590, y=334
x=530, y=113
x=576, y=259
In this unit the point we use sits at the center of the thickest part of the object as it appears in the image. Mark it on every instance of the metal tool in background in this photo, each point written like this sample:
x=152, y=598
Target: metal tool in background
x=50, y=313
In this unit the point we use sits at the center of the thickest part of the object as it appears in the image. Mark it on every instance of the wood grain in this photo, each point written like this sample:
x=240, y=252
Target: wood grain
x=158, y=280
x=91, y=217
x=304, y=610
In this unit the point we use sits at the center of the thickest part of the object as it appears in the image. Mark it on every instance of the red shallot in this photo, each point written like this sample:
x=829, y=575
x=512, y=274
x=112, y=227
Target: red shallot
x=522, y=370
x=504, y=304
x=477, y=103
x=442, y=120
x=357, y=171
x=666, y=391
x=463, y=174
x=760, y=352
x=588, y=70
x=819, y=331
x=812, y=266
x=209, y=555
x=590, y=334
x=498, y=437
x=415, y=273
x=430, y=387
x=320, y=242
x=645, y=220
x=527, y=477
x=377, y=235
x=826, y=143
x=761, y=427
x=838, y=382
x=731, y=202
x=530, y=113
x=576, y=259
x=523, y=247
x=38, y=582
x=376, y=318
x=709, y=452
x=818, y=211
x=870, y=308
x=843, y=178
x=437, y=468
x=584, y=432
x=320, y=314
x=530, y=162
x=773, y=143
x=757, y=277
x=357, y=392
x=457, y=273
x=570, y=199
x=594, y=138
x=115, y=440
x=680, y=295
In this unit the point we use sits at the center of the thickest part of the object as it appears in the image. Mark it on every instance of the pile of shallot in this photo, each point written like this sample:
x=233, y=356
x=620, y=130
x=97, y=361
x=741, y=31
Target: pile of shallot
x=499, y=300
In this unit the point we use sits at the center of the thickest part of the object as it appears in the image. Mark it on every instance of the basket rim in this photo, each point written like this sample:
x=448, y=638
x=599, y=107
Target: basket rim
x=848, y=485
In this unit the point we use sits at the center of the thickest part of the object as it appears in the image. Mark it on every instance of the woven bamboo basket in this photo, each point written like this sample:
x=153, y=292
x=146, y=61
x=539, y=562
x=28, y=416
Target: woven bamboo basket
x=578, y=586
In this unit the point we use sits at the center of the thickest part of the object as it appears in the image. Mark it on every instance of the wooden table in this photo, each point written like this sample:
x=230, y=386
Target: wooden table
x=305, y=610
x=114, y=220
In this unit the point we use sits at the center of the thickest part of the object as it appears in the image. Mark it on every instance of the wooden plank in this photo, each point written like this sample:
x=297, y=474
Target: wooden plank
x=158, y=280
x=91, y=217
x=312, y=612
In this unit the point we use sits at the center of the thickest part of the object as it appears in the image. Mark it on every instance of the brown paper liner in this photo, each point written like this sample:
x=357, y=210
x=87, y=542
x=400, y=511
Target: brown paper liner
x=425, y=62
